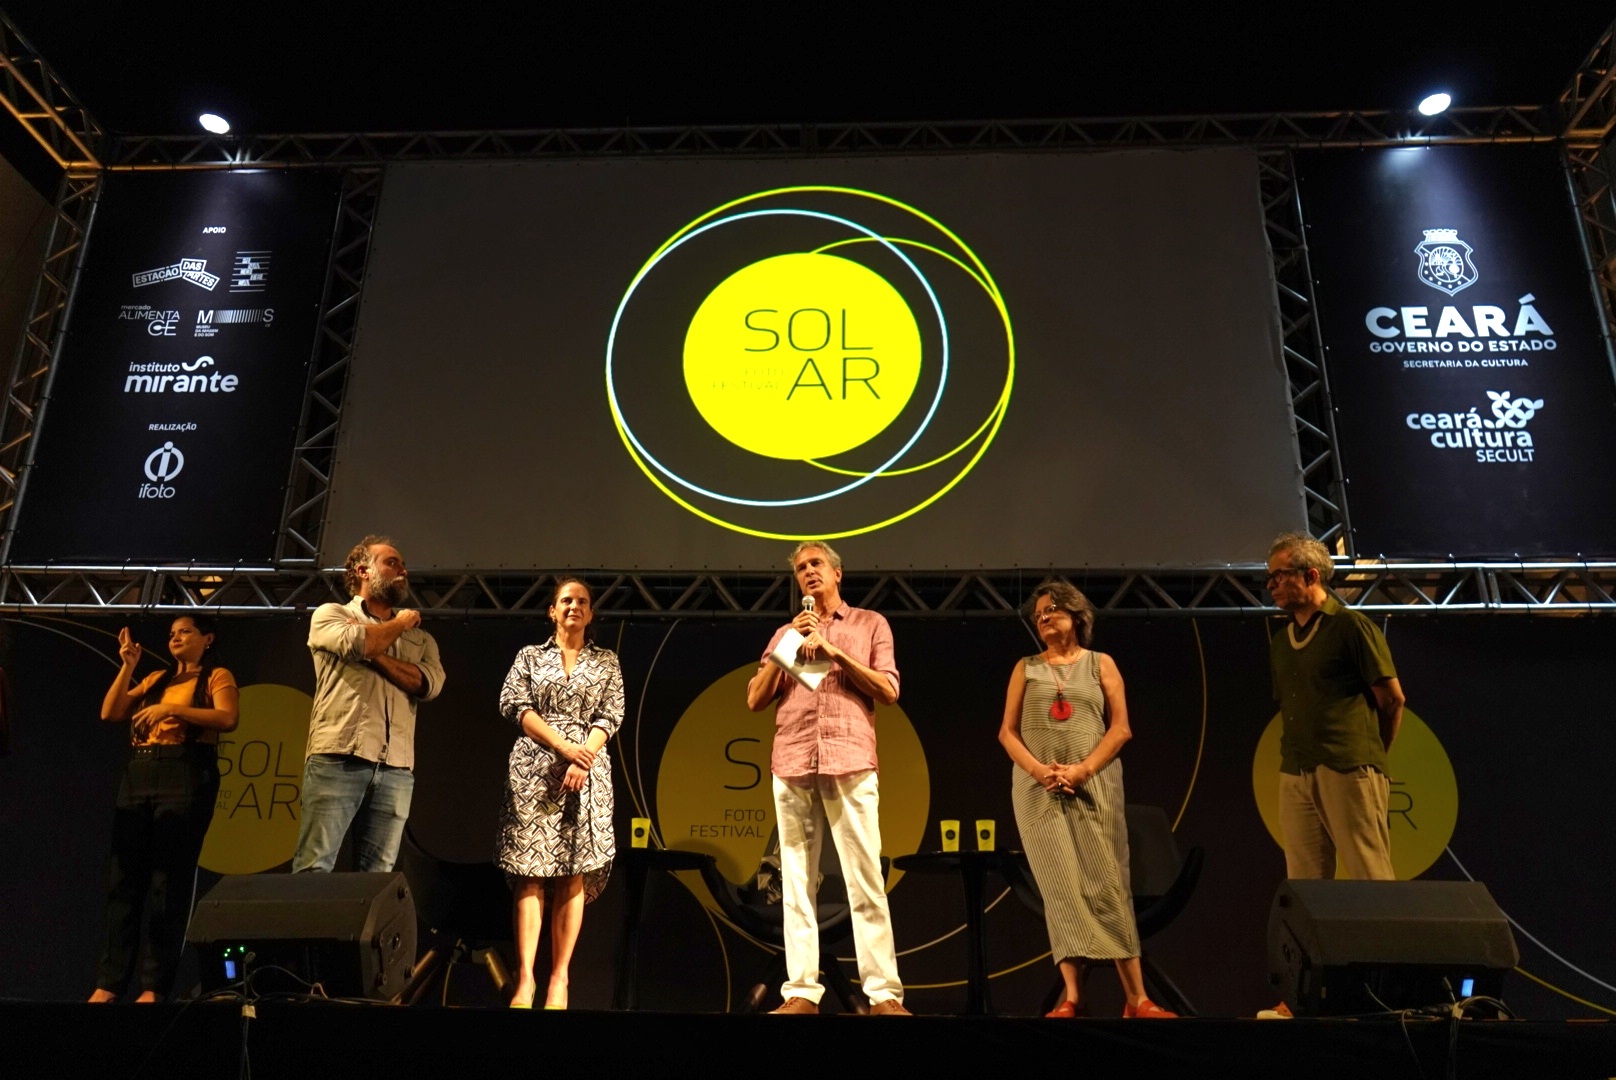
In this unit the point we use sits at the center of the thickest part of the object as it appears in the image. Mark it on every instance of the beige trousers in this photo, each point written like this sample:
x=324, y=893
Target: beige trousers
x=1324, y=813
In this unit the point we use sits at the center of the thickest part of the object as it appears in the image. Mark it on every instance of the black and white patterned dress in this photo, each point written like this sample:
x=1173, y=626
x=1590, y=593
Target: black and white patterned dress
x=1077, y=844
x=544, y=831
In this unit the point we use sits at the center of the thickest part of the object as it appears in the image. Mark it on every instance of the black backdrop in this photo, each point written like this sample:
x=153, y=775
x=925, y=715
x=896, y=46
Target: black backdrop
x=1519, y=705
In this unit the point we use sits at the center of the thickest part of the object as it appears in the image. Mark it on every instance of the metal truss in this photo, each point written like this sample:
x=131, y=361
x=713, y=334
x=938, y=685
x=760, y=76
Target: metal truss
x=314, y=455
x=1562, y=588
x=1346, y=129
x=31, y=91
x=1587, y=106
x=1590, y=174
x=1302, y=347
x=1588, y=112
x=1580, y=121
x=34, y=364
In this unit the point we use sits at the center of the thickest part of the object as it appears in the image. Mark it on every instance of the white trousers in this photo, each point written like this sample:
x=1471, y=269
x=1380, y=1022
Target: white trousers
x=850, y=805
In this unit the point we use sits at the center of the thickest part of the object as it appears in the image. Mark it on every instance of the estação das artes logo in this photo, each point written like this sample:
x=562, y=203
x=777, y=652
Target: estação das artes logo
x=193, y=270
x=1503, y=438
x=1445, y=261
x=162, y=465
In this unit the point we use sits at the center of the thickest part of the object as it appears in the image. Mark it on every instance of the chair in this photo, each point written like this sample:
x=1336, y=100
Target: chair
x=1162, y=884
x=460, y=905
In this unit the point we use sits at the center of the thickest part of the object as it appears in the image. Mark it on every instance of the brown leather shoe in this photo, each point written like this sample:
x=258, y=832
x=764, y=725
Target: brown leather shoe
x=890, y=1007
x=796, y=1006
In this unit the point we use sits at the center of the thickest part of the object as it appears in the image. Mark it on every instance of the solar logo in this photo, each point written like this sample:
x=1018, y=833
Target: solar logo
x=810, y=361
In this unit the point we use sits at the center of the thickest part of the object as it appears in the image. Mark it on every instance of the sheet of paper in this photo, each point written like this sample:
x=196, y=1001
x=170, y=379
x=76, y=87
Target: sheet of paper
x=784, y=656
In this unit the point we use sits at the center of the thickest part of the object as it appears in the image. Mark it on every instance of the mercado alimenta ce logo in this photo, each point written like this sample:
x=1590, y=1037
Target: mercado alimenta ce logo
x=810, y=361
x=1498, y=437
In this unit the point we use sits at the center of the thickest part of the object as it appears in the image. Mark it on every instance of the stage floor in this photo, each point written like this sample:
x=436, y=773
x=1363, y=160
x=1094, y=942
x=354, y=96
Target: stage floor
x=311, y=1041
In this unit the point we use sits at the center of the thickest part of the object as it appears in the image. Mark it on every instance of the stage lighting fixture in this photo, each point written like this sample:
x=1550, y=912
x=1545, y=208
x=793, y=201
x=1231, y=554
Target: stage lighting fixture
x=213, y=122
x=1435, y=103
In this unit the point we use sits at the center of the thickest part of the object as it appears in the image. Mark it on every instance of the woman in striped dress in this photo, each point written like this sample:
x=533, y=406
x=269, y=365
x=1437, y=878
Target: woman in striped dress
x=1065, y=720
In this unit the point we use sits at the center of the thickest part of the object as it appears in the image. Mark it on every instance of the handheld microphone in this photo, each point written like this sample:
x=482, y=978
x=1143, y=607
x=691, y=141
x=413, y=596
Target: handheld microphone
x=808, y=603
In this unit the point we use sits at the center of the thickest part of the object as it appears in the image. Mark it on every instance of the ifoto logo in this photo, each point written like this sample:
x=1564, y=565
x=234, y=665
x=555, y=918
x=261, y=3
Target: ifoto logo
x=162, y=465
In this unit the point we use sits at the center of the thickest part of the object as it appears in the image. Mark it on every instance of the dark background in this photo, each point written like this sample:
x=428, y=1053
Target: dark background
x=369, y=66
x=302, y=66
x=1521, y=707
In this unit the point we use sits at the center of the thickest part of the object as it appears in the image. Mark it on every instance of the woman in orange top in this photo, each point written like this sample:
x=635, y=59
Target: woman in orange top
x=165, y=803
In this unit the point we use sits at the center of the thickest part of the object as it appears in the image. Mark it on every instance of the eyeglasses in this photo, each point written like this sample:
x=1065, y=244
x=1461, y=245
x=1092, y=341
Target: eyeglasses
x=1273, y=575
x=1049, y=613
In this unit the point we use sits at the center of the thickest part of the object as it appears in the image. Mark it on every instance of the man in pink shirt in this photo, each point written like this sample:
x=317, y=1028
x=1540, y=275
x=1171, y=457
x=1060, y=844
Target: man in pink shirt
x=824, y=768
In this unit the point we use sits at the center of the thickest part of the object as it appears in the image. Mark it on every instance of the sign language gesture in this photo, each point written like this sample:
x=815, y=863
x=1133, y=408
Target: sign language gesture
x=149, y=717
x=128, y=649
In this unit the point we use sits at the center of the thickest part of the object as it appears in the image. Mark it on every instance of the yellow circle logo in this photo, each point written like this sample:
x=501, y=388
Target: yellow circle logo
x=807, y=356
x=714, y=792
x=802, y=356
x=1424, y=804
x=260, y=782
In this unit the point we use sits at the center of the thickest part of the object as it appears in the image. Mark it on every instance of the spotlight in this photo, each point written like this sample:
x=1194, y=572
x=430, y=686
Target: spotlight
x=213, y=122
x=1436, y=103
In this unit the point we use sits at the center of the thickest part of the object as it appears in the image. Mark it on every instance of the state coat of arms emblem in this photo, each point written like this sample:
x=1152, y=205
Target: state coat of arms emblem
x=1445, y=261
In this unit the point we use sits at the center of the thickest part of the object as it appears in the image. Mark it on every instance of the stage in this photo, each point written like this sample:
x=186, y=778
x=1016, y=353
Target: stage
x=1123, y=352
x=359, y=1040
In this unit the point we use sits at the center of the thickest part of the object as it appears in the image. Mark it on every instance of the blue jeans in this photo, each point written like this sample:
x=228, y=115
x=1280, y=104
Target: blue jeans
x=340, y=791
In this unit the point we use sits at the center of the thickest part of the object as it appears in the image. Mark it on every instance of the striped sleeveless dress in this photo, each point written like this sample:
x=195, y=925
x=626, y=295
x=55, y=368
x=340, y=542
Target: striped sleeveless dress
x=1077, y=845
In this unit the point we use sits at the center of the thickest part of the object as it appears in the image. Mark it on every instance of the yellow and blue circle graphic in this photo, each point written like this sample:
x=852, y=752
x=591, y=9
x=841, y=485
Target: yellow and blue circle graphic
x=810, y=361
x=1422, y=809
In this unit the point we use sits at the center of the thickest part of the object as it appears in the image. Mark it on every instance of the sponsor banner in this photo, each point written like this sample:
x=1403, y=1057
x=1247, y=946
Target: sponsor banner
x=158, y=446
x=1475, y=408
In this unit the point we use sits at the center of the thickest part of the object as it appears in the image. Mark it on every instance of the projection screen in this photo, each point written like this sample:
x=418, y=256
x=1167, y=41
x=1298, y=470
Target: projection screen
x=938, y=362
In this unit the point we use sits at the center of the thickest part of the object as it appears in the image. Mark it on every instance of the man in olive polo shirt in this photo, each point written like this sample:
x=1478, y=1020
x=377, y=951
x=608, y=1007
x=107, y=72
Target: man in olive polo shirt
x=1341, y=705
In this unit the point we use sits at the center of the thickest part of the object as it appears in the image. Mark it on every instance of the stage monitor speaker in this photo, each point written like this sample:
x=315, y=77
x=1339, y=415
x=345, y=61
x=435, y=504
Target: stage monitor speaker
x=1339, y=948
x=354, y=934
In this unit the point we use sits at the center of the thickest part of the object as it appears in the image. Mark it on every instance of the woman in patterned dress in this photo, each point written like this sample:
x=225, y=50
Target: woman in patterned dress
x=555, y=829
x=1065, y=720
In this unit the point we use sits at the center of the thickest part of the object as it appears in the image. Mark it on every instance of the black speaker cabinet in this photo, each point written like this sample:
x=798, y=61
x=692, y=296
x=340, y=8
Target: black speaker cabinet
x=354, y=934
x=1340, y=948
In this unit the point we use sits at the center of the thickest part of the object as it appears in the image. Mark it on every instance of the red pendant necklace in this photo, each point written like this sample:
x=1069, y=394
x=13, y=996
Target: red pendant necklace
x=1060, y=708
